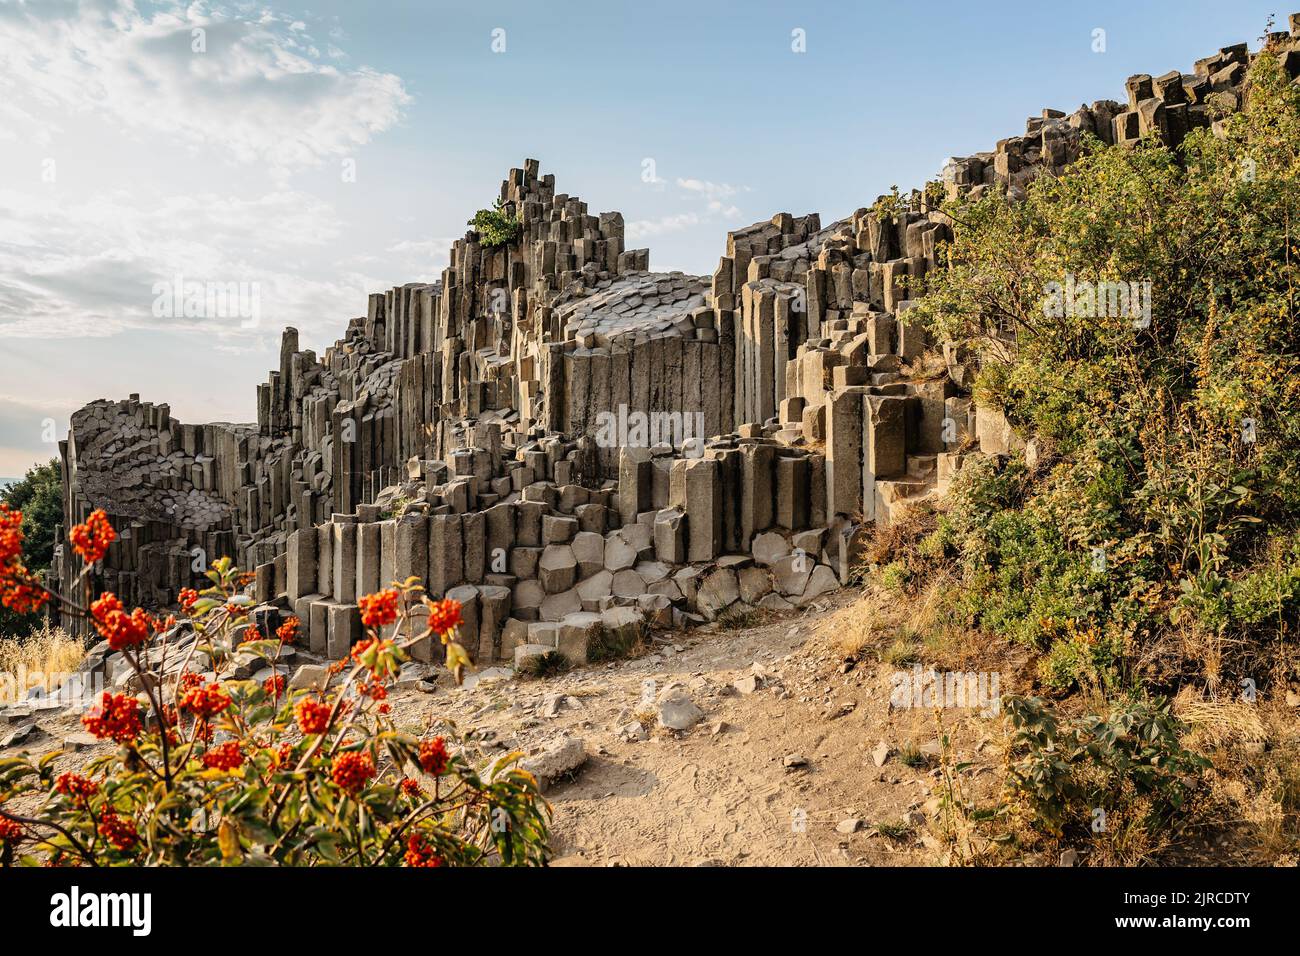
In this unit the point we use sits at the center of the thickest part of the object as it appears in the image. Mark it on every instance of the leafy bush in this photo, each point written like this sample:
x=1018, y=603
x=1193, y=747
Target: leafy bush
x=1173, y=503
x=225, y=771
x=1063, y=774
x=894, y=576
x=494, y=227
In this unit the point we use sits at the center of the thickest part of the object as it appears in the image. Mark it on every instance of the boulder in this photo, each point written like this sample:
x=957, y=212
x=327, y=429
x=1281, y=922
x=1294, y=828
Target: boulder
x=558, y=758
x=791, y=574
x=310, y=677
x=676, y=709
x=755, y=583
x=770, y=547
x=717, y=592
x=822, y=581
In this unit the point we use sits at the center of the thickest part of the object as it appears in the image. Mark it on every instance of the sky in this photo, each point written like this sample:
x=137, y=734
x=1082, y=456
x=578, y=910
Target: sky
x=285, y=159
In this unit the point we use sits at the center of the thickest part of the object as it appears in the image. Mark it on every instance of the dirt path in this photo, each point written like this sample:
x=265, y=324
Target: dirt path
x=771, y=776
x=765, y=778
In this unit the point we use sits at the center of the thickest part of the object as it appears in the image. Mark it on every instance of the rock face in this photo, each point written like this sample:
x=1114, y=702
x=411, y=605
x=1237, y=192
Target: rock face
x=550, y=431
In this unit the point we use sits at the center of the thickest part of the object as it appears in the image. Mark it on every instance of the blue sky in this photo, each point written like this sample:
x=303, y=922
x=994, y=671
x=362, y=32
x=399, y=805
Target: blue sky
x=128, y=156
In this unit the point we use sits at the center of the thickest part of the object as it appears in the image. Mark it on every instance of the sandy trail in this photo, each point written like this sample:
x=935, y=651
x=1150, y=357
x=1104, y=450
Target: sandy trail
x=769, y=777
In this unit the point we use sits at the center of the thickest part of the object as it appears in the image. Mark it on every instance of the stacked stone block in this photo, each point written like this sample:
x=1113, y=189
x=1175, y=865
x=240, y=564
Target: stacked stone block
x=566, y=441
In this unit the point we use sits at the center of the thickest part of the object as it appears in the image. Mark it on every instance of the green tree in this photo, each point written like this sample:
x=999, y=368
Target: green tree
x=494, y=227
x=1177, y=419
x=39, y=496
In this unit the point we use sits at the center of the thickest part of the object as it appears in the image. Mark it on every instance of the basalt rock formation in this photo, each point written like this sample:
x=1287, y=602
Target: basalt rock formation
x=574, y=445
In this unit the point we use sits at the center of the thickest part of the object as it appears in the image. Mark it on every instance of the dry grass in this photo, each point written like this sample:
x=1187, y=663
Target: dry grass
x=48, y=653
x=1254, y=749
x=738, y=618
x=861, y=625
x=901, y=652
x=1219, y=723
x=889, y=542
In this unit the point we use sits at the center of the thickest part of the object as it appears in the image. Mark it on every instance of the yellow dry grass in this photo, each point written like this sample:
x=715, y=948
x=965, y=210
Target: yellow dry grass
x=48, y=653
x=857, y=626
x=1218, y=723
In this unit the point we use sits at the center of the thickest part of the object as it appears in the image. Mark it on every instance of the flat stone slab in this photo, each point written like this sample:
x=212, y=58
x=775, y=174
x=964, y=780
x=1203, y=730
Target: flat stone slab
x=628, y=584
x=558, y=758
x=556, y=606
x=619, y=555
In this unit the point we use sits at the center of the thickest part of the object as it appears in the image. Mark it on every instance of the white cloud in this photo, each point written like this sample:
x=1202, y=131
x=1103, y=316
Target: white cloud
x=639, y=229
x=82, y=258
x=715, y=210
x=89, y=269
x=423, y=256
x=29, y=432
x=258, y=92
x=712, y=191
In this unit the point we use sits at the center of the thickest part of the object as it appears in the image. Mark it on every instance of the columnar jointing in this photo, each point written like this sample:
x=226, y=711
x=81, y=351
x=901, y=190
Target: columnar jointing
x=571, y=444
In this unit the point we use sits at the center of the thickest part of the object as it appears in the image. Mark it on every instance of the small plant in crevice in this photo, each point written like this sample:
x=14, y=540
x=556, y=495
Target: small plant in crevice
x=548, y=664
x=893, y=831
x=495, y=227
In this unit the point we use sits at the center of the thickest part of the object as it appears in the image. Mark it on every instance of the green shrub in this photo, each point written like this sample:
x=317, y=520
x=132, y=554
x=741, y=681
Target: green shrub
x=494, y=227
x=1064, y=773
x=1084, y=657
x=1173, y=495
x=894, y=576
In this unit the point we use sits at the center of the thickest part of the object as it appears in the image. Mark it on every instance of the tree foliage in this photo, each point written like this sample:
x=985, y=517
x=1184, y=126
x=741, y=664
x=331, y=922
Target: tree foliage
x=39, y=496
x=1173, y=499
x=494, y=227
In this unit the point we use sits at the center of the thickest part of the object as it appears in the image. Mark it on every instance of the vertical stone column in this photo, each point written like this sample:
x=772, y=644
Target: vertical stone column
x=300, y=571
x=368, y=543
x=446, y=554
x=387, y=552
x=411, y=556
x=792, y=493
x=344, y=629
x=695, y=488
x=758, y=464
x=844, y=415
x=324, y=558
x=474, y=539
x=884, y=440
x=344, y=560
x=635, y=477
